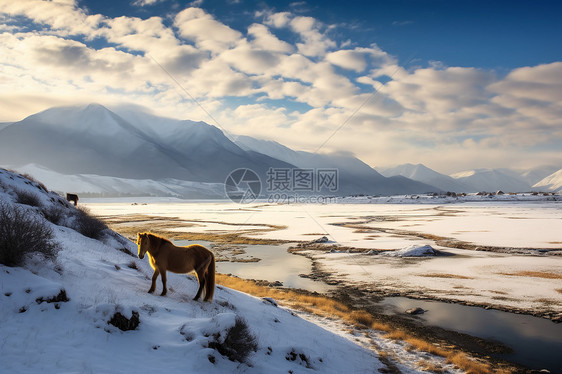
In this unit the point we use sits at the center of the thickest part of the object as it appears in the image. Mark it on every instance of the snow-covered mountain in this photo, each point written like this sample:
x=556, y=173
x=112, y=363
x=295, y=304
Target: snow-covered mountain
x=66, y=314
x=492, y=180
x=95, y=140
x=355, y=177
x=426, y=175
x=111, y=150
x=535, y=175
x=552, y=183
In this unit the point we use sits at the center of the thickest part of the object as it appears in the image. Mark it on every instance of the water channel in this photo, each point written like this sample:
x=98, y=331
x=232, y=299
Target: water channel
x=536, y=342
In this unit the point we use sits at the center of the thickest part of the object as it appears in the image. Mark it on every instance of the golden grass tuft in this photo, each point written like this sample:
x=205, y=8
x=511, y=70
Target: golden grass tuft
x=430, y=367
x=468, y=364
x=559, y=290
x=534, y=274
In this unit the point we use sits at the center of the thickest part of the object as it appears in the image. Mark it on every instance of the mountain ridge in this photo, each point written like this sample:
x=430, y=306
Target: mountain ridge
x=132, y=144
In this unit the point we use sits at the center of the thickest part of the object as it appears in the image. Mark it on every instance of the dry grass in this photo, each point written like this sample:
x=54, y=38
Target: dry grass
x=327, y=307
x=430, y=367
x=444, y=275
x=534, y=274
x=559, y=290
x=468, y=364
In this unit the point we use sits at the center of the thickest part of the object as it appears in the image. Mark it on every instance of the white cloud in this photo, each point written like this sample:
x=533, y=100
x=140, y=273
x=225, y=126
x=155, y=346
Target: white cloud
x=146, y=2
x=533, y=92
x=278, y=20
x=440, y=92
x=348, y=59
x=263, y=39
x=314, y=43
x=360, y=58
x=62, y=16
x=202, y=28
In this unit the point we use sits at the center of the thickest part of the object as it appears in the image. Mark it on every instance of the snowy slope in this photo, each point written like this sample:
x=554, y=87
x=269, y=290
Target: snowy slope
x=98, y=185
x=492, y=180
x=355, y=177
x=535, y=175
x=424, y=174
x=553, y=182
x=43, y=333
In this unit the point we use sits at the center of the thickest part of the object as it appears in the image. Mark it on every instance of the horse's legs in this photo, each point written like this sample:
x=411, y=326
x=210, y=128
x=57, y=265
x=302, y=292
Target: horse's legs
x=201, y=278
x=164, y=290
x=154, y=277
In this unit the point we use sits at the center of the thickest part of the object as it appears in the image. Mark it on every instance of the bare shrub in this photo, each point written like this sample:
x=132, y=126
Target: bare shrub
x=238, y=344
x=27, y=198
x=54, y=213
x=21, y=233
x=35, y=182
x=88, y=225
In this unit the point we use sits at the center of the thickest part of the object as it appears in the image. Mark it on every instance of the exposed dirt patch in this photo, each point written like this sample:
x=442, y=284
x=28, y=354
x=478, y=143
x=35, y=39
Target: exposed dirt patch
x=534, y=274
x=130, y=225
x=444, y=275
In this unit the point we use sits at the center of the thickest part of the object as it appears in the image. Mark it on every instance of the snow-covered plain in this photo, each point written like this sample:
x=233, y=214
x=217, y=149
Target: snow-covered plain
x=508, y=279
x=101, y=277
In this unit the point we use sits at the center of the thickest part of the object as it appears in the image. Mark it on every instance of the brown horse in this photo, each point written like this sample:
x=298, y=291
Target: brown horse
x=164, y=255
x=72, y=197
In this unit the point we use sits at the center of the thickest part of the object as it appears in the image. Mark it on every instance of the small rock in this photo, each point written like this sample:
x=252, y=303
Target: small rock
x=123, y=323
x=415, y=311
x=323, y=239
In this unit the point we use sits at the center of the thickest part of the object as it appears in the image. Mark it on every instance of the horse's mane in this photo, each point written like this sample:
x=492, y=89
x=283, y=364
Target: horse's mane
x=157, y=237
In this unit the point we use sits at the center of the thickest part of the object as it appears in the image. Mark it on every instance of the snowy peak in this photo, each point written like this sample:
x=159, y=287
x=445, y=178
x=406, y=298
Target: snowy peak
x=552, y=183
x=537, y=174
x=92, y=117
x=416, y=172
x=493, y=180
x=424, y=174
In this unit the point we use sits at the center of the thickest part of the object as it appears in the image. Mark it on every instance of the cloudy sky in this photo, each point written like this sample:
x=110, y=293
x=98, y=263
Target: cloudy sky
x=451, y=84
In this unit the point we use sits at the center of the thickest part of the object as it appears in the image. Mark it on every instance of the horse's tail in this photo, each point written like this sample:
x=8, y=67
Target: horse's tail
x=210, y=282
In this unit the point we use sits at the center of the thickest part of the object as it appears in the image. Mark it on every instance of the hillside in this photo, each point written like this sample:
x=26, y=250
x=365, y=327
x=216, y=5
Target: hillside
x=355, y=177
x=56, y=311
x=493, y=180
x=424, y=174
x=552, y=183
